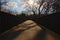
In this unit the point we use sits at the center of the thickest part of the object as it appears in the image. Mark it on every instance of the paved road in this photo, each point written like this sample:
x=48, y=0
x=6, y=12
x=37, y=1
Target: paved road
x=24, y=31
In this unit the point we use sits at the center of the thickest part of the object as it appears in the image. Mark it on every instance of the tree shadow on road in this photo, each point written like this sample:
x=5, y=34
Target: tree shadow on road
x=40, y=35
x=10, y=35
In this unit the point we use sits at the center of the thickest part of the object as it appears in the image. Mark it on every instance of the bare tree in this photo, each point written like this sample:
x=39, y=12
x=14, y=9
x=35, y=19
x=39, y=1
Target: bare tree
x=43, y=6
x=35, y=5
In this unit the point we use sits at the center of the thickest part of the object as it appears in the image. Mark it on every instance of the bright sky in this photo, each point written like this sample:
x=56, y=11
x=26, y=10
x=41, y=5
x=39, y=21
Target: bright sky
x=19, y=5
x=15, y=5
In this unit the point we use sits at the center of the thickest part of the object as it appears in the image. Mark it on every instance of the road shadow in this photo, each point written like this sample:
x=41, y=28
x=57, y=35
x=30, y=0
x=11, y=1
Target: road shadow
x=40, y=35
x=10, y=35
